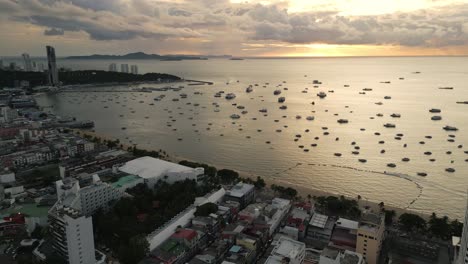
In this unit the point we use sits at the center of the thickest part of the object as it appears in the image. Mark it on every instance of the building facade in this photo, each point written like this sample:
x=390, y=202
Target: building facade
x=112, y=67
x=52, y=66
x=124, y=68
x=370, y=235
x=134, y=69
x=27, y=62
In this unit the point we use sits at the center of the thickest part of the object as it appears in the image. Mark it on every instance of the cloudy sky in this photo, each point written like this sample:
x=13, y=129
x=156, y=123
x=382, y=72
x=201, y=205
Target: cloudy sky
x=240, y=28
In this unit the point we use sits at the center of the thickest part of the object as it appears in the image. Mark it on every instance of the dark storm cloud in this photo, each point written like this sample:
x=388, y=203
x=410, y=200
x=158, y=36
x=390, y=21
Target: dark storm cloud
x=54, y=32
x=218, y=21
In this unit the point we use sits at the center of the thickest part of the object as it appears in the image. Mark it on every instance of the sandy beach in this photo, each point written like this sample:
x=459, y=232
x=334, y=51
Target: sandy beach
x=303, y=191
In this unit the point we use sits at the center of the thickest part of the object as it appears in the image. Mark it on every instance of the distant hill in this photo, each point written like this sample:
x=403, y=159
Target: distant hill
x=138, y=56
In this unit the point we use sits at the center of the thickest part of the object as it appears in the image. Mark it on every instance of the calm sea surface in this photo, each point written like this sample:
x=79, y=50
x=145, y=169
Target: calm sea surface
x=191, y=128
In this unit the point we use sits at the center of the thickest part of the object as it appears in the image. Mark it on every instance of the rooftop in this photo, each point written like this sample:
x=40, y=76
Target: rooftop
x=318, y=220
x=240, y=189
x=185, y=234
x=347, y=224
x=289, y=248
x=148, y=167
x=28, y=209
x=124, y=181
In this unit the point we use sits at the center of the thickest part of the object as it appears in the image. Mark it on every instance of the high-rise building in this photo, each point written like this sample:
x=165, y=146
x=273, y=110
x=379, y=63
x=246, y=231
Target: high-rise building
x=134, y=69
x=112, y=67
x=462, y=257
x=12, y=66
x=370, y=235
x=52, y=66
x=1, y=64
x=27, y=62
x=124, y=68
x=71, y=230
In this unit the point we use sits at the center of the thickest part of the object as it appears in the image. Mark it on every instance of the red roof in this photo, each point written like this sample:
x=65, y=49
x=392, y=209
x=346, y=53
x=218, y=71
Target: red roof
x=185, y=234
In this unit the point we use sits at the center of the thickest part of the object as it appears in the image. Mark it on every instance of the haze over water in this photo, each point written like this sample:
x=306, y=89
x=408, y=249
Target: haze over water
x=283, y=159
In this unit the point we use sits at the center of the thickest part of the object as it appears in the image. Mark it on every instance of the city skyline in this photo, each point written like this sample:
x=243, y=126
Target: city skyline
x=239, y=28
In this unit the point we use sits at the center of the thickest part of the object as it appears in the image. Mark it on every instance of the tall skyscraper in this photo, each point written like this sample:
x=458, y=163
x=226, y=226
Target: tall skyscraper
x=134, y=69
x=53, y=71
x=27, y=62
x=463, y=250
x=124, y=68
x=112, y=67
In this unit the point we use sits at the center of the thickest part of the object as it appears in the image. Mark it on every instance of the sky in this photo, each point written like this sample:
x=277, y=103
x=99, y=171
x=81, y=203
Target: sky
x=235, y=27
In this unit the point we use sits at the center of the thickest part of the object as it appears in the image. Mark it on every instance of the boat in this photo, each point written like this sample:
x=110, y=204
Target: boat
x=310, y=118
x=451, y=170
x=362, y=160
x=367, y=89
x=342, y=121
x=387, y=97
x=379, y=103
x=263, y=110
x=281, y=99
x=217, y=95
x=436, y=118
x=450, y=128
x=389, y=125
x=322, y=95
x=235, y=116
x=244, y=112
x=405, y=159
x=316, y=82
x=298, y=117
x=337, y=154
x=230, y=96
x=277, y=92
x=391, y=165
x=434, y=110
x=249, y=89
x=283, y=107
x=423, y=174
x=240, y=107
x=395, y=115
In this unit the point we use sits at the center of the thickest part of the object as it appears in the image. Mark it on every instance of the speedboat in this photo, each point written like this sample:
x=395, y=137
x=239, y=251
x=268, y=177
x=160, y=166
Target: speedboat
x=263, y=110
x=322, y=95
x=450, y=128
x=389, y=125
x=435, y=110
x=310, y=118
x=230, y=96
x=281, y=99
x=342, y=121
x=283, y=107
x=436, y=118
x=298, y=117
x=235, y=116
x=395, y=115
x=249, y=89
x=277, y=92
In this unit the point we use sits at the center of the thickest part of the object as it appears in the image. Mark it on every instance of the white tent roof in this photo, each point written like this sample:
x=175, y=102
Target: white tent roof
x=148, y=167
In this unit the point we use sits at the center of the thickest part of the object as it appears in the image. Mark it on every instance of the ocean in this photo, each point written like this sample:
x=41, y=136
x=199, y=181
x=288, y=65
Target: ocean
x=342, y=158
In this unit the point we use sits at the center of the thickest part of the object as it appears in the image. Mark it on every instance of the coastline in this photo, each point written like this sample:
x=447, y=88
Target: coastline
x=302, y=191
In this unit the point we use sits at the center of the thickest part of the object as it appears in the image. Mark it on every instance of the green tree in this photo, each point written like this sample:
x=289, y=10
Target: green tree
x=439, y=227
x=389, y=216
x=206, y=209
x=411, y=222
x=136, y=249
x=456, y=228
x=260, y=183
x=228, y=176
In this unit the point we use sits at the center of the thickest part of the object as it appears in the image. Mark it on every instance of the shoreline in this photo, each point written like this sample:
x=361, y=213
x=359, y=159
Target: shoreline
x=302, y=191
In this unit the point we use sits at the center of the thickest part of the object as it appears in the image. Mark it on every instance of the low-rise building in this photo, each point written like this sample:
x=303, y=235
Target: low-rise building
x=242, y=193
x=287, y=250
x=319, y=230
x=336, y=256
x=153, y=170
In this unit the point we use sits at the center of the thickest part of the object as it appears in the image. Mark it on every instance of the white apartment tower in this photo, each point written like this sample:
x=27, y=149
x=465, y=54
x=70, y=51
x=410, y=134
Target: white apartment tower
x=463, y=251
x=52, y=66
x=134, y=69
x=112, y=67
x=124, y=68
x=27, y=62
